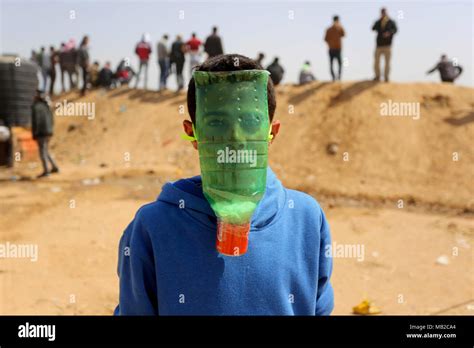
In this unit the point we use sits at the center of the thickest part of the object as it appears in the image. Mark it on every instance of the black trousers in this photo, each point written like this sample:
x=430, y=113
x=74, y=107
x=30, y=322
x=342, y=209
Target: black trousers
x=85, y=75
x=335, y=54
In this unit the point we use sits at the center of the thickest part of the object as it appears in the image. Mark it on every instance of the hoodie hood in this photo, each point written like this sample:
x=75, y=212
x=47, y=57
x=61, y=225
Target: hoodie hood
x=187, y=194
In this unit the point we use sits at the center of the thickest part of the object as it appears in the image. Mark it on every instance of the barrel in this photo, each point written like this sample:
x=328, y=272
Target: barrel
x=18, y=82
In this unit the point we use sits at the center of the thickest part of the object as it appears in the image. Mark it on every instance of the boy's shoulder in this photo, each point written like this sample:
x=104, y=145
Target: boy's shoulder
x=304, y=201
x=151, y=211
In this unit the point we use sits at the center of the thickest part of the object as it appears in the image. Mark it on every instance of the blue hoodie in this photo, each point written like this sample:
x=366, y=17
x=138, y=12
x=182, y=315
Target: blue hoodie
x=168, y=263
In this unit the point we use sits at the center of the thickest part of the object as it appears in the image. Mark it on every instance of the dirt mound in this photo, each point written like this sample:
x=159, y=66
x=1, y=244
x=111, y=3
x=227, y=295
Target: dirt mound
x=334, y=144
x=337, y=139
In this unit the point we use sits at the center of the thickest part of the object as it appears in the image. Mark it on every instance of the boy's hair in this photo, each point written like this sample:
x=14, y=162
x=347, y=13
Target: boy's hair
x=227, y=62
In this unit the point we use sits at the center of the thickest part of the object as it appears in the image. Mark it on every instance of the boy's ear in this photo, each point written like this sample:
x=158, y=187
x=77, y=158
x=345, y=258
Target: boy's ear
x=188, y=129
x=275, y=129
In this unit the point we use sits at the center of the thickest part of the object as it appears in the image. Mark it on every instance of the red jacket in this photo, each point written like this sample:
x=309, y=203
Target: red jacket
x=194, y=44
x=143, y=50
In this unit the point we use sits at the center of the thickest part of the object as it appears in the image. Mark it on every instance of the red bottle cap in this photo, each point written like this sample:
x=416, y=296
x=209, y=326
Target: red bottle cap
x=232, y=240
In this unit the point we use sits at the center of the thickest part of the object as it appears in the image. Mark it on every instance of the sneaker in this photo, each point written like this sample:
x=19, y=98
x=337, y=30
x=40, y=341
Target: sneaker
x=43, y=175
x=55, y=170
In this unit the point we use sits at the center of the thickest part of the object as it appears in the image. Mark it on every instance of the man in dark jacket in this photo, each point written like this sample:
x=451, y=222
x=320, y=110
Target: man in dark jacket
x=213, y=45
x=106, y=76
x=385, y=28
x=177, y=59
x=42, y=128
x=276, y=71
x=448, y=70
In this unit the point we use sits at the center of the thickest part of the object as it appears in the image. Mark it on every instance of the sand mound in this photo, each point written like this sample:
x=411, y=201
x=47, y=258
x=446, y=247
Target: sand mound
x=371, y=157
x=118, y=161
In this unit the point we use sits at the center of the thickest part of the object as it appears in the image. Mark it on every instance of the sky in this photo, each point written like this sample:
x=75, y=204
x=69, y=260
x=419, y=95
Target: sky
x=291, y=30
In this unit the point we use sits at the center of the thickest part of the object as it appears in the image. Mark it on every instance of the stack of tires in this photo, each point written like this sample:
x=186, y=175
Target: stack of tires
x=18, y=82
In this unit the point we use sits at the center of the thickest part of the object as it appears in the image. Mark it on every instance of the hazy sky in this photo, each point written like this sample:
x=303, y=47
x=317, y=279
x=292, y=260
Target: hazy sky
x=291, y=30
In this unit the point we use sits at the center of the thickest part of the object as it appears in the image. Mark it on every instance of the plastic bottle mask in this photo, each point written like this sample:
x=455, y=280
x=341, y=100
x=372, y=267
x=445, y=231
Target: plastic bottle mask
x=232, y=131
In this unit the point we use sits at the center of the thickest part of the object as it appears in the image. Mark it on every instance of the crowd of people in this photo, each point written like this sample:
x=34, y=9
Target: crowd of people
x=171, y=57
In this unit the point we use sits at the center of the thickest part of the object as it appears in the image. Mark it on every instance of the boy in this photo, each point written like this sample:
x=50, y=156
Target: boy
x=168, y=262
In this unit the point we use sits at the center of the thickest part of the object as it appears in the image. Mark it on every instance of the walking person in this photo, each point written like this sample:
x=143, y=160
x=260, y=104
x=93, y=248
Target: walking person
x=42, y=123
x=54, y=56
x=333, y=37
x=163, y=61
x=67, y=63
x=83, y=62
x=385, y=28
x=44, y=61
x=143, y=51
x=213, y=45
x=177, y=60
x=448, y=70
x=62, y=67
x=193, y=47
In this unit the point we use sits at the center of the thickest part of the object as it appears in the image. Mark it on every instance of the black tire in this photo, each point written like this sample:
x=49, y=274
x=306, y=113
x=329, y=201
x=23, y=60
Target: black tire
x=17, y=88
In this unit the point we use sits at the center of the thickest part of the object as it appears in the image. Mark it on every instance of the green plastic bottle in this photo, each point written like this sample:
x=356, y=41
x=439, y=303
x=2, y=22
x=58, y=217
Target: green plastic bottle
x=232, y=131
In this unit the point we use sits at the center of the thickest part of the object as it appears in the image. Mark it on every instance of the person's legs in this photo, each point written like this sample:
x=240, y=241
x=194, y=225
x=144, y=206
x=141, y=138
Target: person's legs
x=388, y=54
x=179, y=74
x=42, y=147
x=74, y=77
x=84, y=80
x=44, y=74
x=331, y=59
x=50, y=159
x=163, y=72
x=378, y=52
x=62, y=80
x=167, y=69
x=194, y=61
x=339, y=64
x=53, y=79
x=146, y=74
x=138, y=74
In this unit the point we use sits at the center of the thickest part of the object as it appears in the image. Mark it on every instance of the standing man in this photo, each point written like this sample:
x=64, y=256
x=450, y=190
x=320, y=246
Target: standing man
x=213, y=45
x=177, y=59
x=193, y=45
x=83, y=62
x=163, y=60
x=44, y=61
x=276, y=71
x=143, y=51
x=334, y=35
x=42, y=129
x=385, y=28
x=67, y=63
x=54, y=56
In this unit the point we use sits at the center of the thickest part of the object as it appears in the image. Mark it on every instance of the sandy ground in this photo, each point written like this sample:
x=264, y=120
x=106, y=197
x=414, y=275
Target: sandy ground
x=77, y=217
